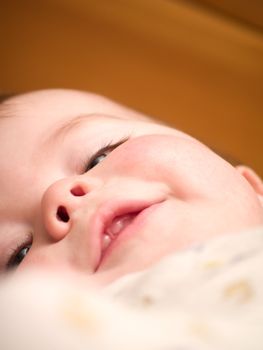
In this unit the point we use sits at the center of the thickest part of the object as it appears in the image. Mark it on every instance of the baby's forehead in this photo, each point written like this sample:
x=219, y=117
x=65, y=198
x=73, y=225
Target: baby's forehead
x=65, y=103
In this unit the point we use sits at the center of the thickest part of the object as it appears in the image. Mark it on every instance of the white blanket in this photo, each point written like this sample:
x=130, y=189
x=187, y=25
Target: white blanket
x=207, y=297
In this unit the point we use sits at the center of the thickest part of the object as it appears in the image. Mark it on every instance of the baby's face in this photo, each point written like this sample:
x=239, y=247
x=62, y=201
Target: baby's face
x=89, y=185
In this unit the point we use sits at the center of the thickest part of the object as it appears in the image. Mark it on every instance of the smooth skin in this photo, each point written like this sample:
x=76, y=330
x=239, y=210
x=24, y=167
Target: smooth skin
x=57, y=199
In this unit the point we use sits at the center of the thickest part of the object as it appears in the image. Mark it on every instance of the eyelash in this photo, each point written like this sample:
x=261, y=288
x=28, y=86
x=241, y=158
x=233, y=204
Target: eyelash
x=104, y=150
x=14, y=251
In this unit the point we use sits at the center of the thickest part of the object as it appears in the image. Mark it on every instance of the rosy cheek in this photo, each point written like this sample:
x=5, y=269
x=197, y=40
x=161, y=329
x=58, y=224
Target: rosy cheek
x=182, y=163
x=135, y=156
x=144, y=155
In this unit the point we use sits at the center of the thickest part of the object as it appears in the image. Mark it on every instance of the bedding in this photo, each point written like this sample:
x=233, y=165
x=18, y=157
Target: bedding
x=208, y=297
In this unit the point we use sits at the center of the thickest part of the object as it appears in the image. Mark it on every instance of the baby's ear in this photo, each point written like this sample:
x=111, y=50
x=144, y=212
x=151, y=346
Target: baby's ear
x=252, y=177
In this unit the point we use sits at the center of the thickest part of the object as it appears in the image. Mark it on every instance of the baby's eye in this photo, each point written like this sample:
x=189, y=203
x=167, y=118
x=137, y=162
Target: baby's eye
x=103, y=153
x=96, y=160
x=18, y=256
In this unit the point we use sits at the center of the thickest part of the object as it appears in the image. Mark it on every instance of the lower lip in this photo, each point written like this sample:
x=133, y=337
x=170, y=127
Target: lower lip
x=133, y=228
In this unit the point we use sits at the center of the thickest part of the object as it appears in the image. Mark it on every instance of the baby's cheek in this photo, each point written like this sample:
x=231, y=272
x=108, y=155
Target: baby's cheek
x=188, y=168
x=149, y=157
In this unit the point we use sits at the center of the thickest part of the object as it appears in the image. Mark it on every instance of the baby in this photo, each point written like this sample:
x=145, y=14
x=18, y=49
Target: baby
x=91, y=186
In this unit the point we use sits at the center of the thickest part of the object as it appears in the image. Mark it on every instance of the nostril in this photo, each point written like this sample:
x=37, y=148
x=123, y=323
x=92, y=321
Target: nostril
x=77, y=191
x=62, y=214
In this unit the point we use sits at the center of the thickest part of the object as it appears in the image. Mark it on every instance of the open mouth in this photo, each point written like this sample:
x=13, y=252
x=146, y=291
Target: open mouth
x=115, y=223
x=115, y=228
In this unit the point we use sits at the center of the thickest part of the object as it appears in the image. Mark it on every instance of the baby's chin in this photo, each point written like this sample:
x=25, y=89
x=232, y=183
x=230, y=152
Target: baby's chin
x=106, y=277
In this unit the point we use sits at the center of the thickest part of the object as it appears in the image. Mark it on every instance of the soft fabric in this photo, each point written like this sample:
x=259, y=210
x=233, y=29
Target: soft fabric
x=207, y=297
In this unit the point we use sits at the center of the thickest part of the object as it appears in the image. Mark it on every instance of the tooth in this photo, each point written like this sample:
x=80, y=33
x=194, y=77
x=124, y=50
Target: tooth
x=105, y=241
x=119, y=224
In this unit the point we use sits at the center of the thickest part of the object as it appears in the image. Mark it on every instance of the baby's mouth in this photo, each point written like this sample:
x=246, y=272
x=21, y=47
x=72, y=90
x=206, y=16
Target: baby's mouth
x=117, y=225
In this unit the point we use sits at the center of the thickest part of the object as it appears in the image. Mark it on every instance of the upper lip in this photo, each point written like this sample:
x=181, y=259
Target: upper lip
x=104, y=217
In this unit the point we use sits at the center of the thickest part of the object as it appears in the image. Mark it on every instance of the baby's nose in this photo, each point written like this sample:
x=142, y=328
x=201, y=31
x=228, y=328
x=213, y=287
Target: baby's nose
x=59, y=203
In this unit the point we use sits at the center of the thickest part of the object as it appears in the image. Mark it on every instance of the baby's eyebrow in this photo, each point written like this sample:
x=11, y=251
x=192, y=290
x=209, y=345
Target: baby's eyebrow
x=63, y=129
x=68, y=125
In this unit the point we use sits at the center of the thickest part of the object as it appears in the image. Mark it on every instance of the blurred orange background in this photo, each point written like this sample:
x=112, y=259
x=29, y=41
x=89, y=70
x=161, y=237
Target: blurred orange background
x=195, y=64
